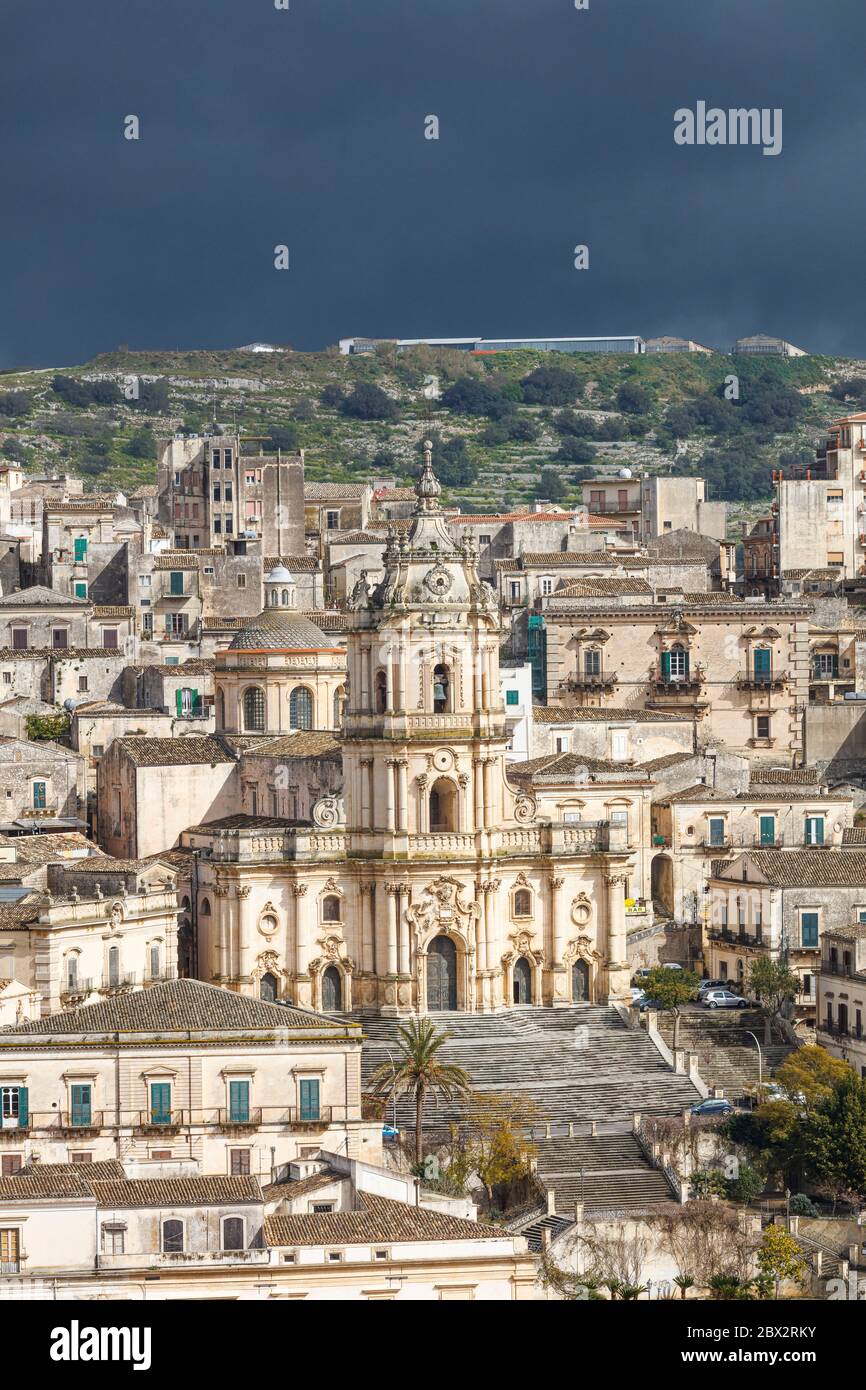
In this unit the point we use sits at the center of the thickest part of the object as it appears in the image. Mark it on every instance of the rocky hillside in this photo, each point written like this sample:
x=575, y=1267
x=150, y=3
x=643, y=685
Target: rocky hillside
x=508, y=428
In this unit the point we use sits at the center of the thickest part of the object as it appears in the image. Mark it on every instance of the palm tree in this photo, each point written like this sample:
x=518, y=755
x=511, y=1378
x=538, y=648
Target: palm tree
x=683, y=1283
x=418, y=1071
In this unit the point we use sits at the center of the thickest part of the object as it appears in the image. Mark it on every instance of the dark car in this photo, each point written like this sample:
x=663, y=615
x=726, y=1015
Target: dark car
x=713, y=1105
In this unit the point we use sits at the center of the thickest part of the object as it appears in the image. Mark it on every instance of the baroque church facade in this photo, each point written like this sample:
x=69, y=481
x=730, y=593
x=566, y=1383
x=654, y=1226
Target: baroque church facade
x=431, y=882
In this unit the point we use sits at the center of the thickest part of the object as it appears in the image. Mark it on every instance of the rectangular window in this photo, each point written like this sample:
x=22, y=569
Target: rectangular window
x=762, y=726
x=592, y=663
x=619, y=745
x=19, y=639
x=217, y=492
x=515, y=588
x=762, y=659
x=768, y=830
x=229, y=525
x=242, y=581
x=82, y=685
x=484, y=540
x=227, y=496
x=81, y=1112
x=81, y=588
x=809, y=928
x=39, y=796
x=547, y=586
x=561, y=743
x=239, y=1102
x=717, y=831
x=227, y=458
x=309, y=1097
x=240, y=1162
x=109, y=639
x=79, y=548
x=217, y=525
x=332, y=520
x=160, y=1103
x=826, y=666
x=79, y=1156
x=59, y=637
x=112, y=1241
x=176, y=582
x=215, y=459
x=10, y=1251
x=813, y=833
x=512, y=697
x=11, y=1164
x=13, y=1107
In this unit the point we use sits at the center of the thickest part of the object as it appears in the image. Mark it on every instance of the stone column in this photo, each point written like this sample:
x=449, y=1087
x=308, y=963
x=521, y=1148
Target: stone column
x=368, y=929
x=488, y=793
x=403, y=927
x=617, y=964
x=394, y=891
x=390, y=817
x=422, y=781
x=366, y=801
x=244, y=934
x=559, y=991
x=220, y=965
x=402, y=774
x=302, y=936
x=478, y=768
x=465, y=818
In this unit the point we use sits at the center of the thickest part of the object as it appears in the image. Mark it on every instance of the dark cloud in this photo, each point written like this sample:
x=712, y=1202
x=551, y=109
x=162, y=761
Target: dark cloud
x=306, y=127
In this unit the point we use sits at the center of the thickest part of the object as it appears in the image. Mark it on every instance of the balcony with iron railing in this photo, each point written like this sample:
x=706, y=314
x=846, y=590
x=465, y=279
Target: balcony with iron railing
x=672, y=683
x=61, y=1122
x=75, y=992
x=762, y=680
x=729, y=937
x=592, y=680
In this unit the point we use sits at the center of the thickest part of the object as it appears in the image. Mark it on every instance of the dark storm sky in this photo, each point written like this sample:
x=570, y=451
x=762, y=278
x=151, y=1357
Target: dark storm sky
x=306, y=127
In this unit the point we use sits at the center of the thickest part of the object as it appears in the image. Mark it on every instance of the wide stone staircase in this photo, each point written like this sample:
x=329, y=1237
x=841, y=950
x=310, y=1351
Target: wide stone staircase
x=727, y=1056
x=583, y=1069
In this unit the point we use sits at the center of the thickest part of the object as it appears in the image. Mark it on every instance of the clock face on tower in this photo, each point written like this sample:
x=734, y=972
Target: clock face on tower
x=438, y=581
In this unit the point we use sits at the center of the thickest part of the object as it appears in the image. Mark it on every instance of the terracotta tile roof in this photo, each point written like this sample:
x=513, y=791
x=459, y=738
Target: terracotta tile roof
x=472, y=519
x=854, y=835
x=667, y=760
x=298, y=564
x=810, y=868
x=198, y=1191
x=700, y=793
x=602, y=587
x=376, y=1219
x=193, y=750
x=335, y=492
x=567, y=764
x=394, y=494
x=113, y=610
x=59, y=1180
x=42, y=849
x=178, y=1006
x=579, y=714
x=569, y=559
x=784, y=776
x=303, y=744
x=276, y=1191
x=358, y=538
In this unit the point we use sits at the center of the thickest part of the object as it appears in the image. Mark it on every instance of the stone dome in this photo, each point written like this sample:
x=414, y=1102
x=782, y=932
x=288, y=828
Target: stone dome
x=280, y=630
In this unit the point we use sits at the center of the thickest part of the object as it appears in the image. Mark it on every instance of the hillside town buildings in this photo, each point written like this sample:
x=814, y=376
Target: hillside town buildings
x=288, y=765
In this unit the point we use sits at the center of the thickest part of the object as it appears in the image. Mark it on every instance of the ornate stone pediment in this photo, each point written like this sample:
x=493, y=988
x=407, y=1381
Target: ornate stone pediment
x=677, y=626
x=443, y=907
x=770, y=634
x=580, y=948
x=332, y=948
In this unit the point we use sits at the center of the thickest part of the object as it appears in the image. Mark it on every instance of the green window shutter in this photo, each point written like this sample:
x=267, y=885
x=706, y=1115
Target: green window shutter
x=80, y=547
x=176, y=582
x=666, y=666
x=168, y=622
x=834, y=665
x=239, y=1102
x=818, y=823
x=81, y=1105
x=196, y=700
x=81, y=589
x=160, y=1103
x=768, y=830
x=23, y=1106
x=178, y=699
x=761, y=661
x=309, y=1100
x=512, y=697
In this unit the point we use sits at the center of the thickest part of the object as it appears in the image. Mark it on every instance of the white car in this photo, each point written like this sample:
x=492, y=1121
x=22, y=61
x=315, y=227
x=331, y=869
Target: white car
x=723, y=999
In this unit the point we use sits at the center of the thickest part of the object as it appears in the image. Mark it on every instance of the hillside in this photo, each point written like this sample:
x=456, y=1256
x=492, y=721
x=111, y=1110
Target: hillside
x=508, y=428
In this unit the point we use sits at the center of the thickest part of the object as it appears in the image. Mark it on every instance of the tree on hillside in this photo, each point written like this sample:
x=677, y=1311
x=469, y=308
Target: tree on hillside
x=495, y=1137
x=773, y=984
x=672, y=989
x=780, y=1258
x=809, y=1075
x=550, y=386
x=834, y=1137
x=633, y=398
x=14, y=403
x=369, y=402
x=576, y=451
x=419, y=1071
x=550, y=485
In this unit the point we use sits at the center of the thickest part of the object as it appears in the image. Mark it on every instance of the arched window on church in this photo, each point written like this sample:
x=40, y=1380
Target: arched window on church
x=523, y=903
x=254, y=710
x=220, y=709
x=268, y=988
x=443, y=805
x=441, y=689
x=300, y=708
x=331, y=908
x=339, y=702
x=381, y=692
x=204, y=910
x=284, y=598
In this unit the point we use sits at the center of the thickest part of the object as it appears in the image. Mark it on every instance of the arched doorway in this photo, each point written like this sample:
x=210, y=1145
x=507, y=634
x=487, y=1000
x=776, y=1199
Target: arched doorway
x=662, y=881
x=332, y=990
x=441, y=975
x=522, y=981
x=580, y=982
x=268, y=988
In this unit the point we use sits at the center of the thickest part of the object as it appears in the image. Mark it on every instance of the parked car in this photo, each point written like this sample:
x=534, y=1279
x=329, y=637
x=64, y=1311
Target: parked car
x=711, y=984
x=645, y=1002
x=723, y=999
x=636, y=994
x=646, y=970
x=713, y=1105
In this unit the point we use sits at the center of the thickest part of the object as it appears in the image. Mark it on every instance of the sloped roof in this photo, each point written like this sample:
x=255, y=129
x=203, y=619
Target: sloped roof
x=808, y=868
x=178, y=1006
x=784, y=776
x=376, y=1218
x=191, y=750
x=577, y=714
x=39, y=596
x=201, y=1190
x=58, y=1180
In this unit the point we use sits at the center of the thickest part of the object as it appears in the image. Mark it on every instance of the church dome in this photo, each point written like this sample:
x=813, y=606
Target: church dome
x=280, y=629
x=279, y=575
